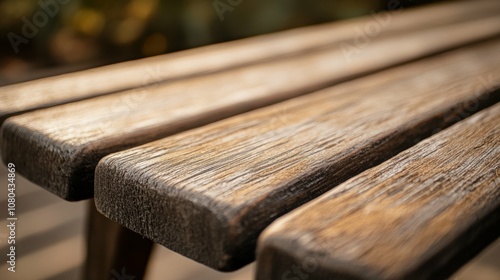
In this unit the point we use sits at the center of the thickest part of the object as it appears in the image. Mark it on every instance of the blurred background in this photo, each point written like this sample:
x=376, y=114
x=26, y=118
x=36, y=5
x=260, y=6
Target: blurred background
x=70, y=35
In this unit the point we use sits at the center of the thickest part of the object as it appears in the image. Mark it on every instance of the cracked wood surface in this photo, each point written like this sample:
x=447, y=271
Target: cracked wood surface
x=208, y=193
x=419, y=215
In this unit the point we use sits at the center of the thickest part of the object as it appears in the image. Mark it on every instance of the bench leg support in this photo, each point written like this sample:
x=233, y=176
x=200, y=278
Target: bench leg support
x=113, y=251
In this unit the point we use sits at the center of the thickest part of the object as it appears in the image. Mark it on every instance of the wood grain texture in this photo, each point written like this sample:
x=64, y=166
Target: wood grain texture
x=80, y=85
x=208, y=193
x=58, y=148
x=419, y=215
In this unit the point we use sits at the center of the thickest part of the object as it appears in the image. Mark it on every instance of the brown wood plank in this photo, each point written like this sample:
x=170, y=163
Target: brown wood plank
x=420, y=215
x=207, y=193
x=58, y=148
x=80, y=85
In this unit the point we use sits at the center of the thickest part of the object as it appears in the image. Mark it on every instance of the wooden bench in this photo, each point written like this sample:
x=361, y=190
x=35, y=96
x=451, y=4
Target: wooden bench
x=419, y=215
x=47, y=92
x=74, y=137
x=210, y=191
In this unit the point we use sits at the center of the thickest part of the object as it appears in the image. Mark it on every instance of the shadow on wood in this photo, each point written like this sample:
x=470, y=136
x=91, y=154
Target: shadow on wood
x=114, y=251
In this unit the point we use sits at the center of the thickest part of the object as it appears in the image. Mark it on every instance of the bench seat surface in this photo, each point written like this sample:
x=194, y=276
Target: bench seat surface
x=420, y=215
x=208, y=192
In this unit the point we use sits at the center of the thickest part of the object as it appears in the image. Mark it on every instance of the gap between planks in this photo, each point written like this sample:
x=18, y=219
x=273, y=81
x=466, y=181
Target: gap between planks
x=208, y=193
x=47, y=92
x=420, y=215
x=62, y=145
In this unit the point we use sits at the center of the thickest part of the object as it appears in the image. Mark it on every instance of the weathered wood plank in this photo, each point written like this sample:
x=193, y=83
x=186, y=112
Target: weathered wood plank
x=207, y=193
x=62, y=145
x=80, y=85
x=420, y=215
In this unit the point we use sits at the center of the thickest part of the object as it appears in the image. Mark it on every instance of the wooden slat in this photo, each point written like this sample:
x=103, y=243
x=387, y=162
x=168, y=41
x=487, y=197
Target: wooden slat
x=80, y=85
x=62, y=145
x=207, y=193
x=420, y=215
